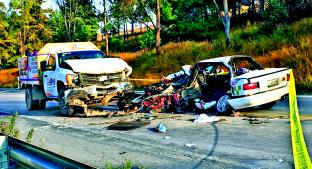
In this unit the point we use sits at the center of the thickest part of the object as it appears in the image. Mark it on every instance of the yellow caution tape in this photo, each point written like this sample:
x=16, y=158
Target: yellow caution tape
x=300, y=152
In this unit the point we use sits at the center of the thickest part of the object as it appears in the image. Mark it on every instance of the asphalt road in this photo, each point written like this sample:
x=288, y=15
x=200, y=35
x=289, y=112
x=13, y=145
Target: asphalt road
x=232, y=143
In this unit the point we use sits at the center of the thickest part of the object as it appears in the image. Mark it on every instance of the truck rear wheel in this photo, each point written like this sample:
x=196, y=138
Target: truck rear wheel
x=42, y=104
x=65, y=109
x=30, y=103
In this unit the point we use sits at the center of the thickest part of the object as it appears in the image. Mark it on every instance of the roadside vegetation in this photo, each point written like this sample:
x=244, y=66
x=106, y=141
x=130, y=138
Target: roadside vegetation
x=8, y=78
x=277, y=33
x=287, y=46
x=127, y=164
x=8, y=127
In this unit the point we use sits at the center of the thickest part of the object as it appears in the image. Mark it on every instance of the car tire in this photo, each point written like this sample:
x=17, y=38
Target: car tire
x=267, y=105
x=222, y=106
x=30, y=103
x=65, y=109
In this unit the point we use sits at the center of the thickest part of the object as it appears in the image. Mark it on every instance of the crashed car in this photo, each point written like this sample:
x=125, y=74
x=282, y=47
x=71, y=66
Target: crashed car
x=238, y=82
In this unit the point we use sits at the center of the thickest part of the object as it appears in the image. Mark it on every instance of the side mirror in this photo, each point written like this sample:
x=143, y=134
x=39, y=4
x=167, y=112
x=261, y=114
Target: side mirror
x=43, y=65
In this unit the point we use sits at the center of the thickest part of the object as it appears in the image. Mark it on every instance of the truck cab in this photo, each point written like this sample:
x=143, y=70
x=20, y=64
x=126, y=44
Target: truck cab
x=74, y=73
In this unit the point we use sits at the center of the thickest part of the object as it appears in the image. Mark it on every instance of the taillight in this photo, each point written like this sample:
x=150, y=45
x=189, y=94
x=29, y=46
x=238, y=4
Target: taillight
x=288, y=77
x=250, y=86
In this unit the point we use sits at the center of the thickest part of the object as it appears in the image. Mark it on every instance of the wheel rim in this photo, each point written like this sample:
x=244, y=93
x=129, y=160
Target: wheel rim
x=222, y=104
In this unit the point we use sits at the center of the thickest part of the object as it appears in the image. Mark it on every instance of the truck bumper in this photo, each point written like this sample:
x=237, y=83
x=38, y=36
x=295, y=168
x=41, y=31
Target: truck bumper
x=258, y=99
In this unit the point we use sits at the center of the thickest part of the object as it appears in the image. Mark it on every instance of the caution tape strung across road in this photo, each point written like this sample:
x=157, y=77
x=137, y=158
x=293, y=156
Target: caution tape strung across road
x=300, y=152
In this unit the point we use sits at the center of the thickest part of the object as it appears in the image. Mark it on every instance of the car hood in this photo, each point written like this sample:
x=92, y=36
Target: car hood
x=99, y=65
x=256, y=73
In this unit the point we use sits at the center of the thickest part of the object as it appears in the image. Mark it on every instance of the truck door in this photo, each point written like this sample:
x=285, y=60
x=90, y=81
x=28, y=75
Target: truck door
x=50, y=77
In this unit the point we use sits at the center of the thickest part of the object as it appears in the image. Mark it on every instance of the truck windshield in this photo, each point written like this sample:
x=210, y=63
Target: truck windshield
x=80, y=55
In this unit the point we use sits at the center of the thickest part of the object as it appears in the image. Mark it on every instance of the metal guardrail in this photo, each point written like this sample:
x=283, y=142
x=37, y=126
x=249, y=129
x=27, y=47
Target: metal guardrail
x=30, y=156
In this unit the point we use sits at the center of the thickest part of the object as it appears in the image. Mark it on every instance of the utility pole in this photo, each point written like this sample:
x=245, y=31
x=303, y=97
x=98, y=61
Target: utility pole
x=105, y=26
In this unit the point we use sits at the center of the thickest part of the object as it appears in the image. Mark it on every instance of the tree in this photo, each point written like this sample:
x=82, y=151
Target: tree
x=105, y=26
x=157, y=43
x=226, y=23
x=79, y=19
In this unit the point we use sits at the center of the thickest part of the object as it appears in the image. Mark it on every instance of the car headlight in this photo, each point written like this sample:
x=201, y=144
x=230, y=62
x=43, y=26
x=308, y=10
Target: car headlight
x=71, y=79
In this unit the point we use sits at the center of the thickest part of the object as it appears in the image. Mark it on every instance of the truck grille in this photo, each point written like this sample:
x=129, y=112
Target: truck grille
x=100, y=79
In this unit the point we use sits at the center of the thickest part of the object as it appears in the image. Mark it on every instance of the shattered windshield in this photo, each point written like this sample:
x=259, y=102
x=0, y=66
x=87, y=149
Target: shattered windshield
x=81, y=55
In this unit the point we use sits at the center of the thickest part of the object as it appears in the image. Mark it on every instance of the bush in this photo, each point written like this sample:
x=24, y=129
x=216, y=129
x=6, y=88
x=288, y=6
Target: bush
x=148, y=39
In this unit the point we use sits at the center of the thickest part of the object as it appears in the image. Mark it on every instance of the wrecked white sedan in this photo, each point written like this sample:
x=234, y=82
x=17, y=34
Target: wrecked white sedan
x=238, y=82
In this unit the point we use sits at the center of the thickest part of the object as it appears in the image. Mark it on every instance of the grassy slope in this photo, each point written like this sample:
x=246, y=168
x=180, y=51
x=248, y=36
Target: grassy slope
x=288, y=46
x=8, y=78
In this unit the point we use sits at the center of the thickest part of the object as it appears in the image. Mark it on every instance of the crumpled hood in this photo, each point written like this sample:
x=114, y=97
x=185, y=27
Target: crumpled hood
x=99, y=65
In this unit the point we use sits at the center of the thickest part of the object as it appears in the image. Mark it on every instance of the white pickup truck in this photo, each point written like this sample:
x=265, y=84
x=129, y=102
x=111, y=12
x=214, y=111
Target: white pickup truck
x=76, y=74
x=239, y=82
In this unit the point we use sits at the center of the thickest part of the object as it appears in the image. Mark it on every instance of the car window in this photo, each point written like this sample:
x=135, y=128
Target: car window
x=246, y=63
x=51, y=62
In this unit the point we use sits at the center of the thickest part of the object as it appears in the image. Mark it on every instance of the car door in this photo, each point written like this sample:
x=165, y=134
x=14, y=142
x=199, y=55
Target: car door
x=50, y=77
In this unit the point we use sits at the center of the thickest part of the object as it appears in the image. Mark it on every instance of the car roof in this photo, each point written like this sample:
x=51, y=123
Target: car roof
x=224, y=59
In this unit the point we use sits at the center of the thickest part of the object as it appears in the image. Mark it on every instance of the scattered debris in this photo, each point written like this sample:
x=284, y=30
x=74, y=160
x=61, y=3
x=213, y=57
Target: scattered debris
x=190, y=145
x=280, y=160
x=167, y=137
x=222, y=120
x=256, y=121
x=128, y=125
x=203, y=118
x=161, y=128
x=236, y=114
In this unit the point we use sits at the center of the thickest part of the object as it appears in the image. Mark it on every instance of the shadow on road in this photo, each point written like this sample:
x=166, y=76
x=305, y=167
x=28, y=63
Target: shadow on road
x=215, y=142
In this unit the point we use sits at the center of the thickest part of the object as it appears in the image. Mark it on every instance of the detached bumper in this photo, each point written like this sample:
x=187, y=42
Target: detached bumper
x=258, y=99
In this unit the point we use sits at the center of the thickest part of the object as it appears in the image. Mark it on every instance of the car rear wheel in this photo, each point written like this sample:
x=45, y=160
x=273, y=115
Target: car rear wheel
x=222, y=106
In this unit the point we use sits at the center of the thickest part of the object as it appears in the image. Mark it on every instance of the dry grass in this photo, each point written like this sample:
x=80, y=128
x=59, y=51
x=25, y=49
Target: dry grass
x=8, y=77
x=129, y=56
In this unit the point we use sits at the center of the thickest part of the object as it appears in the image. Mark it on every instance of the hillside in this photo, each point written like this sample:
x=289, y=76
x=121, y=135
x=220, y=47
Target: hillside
x=288, y=46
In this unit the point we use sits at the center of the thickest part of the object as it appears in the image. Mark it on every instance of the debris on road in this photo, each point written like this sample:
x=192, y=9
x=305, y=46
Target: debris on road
x=167, y=137
x=161, y=128
x=203, y=118
x=190, y=145
x=236, y=114
x=256, y=121
x=128, y=125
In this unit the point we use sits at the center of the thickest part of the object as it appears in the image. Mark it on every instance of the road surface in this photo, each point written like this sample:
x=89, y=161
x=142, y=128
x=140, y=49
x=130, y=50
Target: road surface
x=231, y=143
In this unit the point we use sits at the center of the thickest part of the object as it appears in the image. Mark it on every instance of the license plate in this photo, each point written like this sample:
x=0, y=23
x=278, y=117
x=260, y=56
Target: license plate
x=273, y=82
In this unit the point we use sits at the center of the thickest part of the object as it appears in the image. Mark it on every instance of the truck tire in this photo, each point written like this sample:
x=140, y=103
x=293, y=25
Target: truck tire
x=65, y=109
x=42, y=104
x=222, y=106
x=30, y=103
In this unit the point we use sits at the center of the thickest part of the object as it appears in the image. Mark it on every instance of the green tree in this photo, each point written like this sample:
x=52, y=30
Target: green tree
x=79, y=19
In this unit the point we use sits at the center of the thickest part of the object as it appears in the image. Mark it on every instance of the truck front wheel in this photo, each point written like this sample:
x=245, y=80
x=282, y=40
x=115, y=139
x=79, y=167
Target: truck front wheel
x=65, y=109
